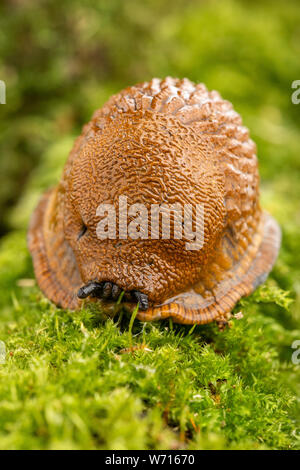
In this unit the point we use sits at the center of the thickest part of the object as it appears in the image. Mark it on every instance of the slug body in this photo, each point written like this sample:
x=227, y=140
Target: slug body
x=161, y=142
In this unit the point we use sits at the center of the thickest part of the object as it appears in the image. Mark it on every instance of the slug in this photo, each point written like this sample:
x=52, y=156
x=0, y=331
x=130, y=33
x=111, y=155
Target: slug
x=157, y=146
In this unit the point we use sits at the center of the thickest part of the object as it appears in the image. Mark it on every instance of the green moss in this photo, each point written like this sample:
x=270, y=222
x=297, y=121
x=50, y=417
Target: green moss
x=76, y=380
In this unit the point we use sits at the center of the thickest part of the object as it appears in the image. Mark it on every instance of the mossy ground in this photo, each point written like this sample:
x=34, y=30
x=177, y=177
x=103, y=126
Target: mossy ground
x=78, y=380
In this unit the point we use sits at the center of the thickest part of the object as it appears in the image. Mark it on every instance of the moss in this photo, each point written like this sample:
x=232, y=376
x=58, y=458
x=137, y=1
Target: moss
x=77, y=380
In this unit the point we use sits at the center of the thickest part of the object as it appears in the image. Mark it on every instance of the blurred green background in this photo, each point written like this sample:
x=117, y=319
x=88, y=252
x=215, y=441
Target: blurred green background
x=61, y=61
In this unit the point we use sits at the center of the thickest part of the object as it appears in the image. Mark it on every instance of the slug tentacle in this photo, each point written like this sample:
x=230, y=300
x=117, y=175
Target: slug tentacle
x=110, y=291
x=107, y=288
x=142, y=299
x=93, y=289
x=115, y=292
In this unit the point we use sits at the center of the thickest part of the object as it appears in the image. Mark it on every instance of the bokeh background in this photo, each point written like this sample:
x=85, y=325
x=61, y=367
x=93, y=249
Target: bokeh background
x=62, y=60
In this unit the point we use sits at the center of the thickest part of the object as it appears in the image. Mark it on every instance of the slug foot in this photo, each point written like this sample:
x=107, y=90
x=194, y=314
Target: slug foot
x=110, y=291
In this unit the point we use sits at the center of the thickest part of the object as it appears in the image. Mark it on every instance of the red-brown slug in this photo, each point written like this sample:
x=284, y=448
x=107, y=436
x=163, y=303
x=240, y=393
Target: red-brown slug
x=158, y=143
